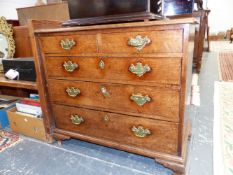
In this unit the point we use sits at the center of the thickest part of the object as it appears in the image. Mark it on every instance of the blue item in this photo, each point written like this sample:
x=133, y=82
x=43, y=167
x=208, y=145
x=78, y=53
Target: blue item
x=34, y=96
x=3, y=117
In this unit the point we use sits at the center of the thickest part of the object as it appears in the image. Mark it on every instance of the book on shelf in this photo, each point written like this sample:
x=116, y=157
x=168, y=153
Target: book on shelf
x=29, y=109
x=30, y=101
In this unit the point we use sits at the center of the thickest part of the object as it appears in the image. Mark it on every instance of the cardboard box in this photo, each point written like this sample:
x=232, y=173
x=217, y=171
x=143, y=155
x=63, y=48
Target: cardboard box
x=26, y=125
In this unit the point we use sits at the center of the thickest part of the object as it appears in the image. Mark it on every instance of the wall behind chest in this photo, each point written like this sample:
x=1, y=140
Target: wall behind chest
x=220, y=18
x=8, y=7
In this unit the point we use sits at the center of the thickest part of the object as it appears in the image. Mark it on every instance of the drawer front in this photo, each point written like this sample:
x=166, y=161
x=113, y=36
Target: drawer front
x=134, y=131
x=151, y=101
x=148, y=42
x=151, y=70
x=70, y=44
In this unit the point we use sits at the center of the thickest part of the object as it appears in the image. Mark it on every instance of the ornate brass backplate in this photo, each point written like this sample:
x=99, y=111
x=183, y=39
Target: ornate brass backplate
x=139, y=69
x=76, y=120
x=72, y=91
x=67, y=44
x=7, y=43
x=70, y=66
x=140, y=131
x=139, y=99
x=139, y=42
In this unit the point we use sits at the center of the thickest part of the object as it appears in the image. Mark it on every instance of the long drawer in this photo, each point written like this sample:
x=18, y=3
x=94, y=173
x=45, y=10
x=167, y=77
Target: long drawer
x=134, y=131
x=150, y=70
x=153, y=102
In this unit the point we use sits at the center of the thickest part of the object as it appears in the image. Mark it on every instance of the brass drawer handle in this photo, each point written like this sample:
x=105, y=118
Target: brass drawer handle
x=104, y=91
x=70, y=66
x=139, y=69
x=101, y=64
x=76, y=120
x=67, y=44
x=140, y=99
x=140, y=131
x=72, y=91
x=138, y=42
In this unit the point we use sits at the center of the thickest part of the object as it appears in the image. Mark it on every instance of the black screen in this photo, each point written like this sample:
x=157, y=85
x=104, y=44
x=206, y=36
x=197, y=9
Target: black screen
x=95, y=8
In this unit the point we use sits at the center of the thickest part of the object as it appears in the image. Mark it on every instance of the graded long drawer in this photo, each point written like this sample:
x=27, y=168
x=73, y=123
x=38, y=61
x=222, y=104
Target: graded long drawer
x=150, y=70
x=147, y=101
x=134, y=131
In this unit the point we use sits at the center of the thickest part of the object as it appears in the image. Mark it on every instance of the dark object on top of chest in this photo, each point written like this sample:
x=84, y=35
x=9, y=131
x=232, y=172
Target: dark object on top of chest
x=199, y=4
x=177, y=7
x=89, y=12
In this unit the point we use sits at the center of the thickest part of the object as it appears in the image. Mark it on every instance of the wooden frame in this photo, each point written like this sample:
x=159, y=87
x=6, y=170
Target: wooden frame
x=7, y=31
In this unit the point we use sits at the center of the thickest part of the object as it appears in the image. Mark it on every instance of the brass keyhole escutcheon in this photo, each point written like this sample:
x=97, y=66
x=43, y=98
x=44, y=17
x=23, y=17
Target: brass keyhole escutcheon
x=101, y=64
x=106, y=118
x=104, y=91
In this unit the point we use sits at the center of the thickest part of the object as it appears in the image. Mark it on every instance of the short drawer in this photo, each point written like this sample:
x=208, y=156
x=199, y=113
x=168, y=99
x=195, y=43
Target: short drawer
x=144, y=42
x=69, y=44
x=150, y=70
x=142, y=133
x=149, y=101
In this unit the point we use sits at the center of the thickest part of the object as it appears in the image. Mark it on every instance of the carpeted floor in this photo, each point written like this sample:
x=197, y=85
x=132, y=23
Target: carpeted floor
x=221, y=46
x=8, y=140
x=223, y=130
x=226, y=66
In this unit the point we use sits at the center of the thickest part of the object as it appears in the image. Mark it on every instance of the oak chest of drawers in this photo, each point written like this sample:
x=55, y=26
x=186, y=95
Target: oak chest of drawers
x=124, y=86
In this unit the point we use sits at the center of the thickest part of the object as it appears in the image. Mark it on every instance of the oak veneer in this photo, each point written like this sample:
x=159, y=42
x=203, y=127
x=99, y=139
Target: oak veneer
x=111, y=72
x=164, y=103
x=109, y=120
x=116, y=127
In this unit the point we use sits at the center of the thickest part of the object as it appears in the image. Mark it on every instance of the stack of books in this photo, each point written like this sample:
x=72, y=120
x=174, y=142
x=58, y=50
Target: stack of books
x=29, y=106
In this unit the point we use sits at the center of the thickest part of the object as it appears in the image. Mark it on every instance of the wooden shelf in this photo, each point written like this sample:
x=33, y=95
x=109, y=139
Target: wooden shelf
x=17, y=83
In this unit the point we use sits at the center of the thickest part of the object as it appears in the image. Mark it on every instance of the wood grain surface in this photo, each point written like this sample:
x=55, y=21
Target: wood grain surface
x=119, y=128
x=164, y=103
x=163, y=70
